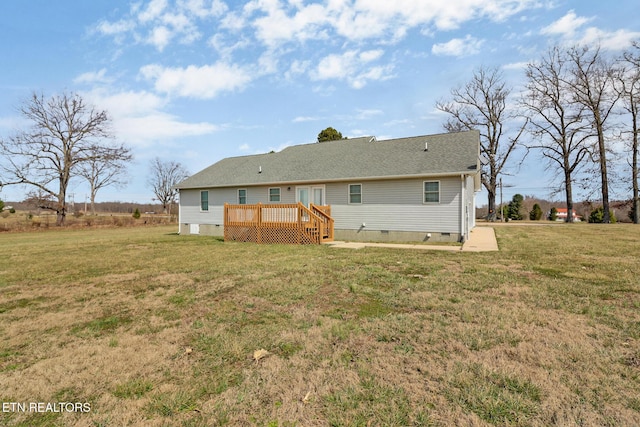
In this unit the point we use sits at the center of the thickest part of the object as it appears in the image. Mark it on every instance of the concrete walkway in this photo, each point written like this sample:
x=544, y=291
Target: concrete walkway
x=481, y=239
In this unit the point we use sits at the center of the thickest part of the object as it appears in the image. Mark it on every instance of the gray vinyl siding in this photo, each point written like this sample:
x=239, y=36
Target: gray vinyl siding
x=393, y=205
x=190, y=202
x=397, y=205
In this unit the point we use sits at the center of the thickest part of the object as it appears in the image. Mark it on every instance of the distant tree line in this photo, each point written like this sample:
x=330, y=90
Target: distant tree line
x=579, y=109
x=536, y=209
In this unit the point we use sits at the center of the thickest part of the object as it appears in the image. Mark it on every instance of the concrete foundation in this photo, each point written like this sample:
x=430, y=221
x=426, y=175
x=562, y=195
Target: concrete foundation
x=394, y=236
x=346, y=235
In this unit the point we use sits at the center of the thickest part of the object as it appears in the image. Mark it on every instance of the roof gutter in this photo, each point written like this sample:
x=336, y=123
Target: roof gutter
x=345, y=179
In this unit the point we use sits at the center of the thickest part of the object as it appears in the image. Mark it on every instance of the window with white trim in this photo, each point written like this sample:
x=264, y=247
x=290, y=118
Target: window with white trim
x=355, y=193
x=242, y=196
x=431, y=192
x=274, y=194
x=204, y=200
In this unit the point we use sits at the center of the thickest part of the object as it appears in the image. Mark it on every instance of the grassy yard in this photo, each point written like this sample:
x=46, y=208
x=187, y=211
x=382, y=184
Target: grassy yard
x=150, y=328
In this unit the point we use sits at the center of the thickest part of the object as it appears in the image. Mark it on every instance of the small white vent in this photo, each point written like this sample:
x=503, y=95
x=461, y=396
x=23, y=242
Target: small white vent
x=426, y=146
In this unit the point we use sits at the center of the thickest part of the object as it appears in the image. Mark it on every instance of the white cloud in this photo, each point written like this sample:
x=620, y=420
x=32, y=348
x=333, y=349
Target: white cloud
x=354, y=67
x=115, y=28
x=571, y=29
x=204, y=82
x=516, y=66
x=297, y=67
x=203, y=8
x=91, y=77
x=617, y=40
x=153, y=10
x=458, y=47
x=279, y=22
x=160, y=37
x=138, y=118
x=565, y=26
x=161, y=22
x=303, y=119
x=276, y=26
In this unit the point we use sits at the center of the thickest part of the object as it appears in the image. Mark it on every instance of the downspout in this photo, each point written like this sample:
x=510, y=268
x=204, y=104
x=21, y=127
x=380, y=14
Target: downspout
x=179, y=211
x=463, y=234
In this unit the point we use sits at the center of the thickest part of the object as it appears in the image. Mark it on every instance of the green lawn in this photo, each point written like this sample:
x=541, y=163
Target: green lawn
x=146, y=327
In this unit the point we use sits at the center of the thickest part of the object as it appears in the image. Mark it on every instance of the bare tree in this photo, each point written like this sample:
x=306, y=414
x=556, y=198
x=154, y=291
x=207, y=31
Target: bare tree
x=63, y=136
x=555, y=121
x=163, y=177
x=106, y=167
x=592, y=86
x=629, y=90
x=482, y=104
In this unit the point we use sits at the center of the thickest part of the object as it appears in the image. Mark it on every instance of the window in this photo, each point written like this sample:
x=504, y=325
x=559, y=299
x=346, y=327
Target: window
x=274, y=194
x=432, y=192
x=355, y=193
x=204, y=201
x=242, y=197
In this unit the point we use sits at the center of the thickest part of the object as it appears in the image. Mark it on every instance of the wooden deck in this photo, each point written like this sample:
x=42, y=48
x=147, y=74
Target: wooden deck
x=278, y=223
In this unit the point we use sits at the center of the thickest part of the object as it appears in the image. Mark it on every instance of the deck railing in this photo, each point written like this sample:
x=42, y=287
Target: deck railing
x=278, y=223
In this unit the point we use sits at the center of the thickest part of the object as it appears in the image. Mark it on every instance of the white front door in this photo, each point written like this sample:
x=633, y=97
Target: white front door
x=302, y=195
x=313, y=194
x=318, y=195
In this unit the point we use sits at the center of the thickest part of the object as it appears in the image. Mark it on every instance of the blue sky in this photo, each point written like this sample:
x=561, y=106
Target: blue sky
x=199, y=80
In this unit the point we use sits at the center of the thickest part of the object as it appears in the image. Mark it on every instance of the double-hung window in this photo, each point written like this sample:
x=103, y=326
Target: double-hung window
x=204, y=201
x=355, y=193
x=431, y=192
x=242, y=196
x=274, y=194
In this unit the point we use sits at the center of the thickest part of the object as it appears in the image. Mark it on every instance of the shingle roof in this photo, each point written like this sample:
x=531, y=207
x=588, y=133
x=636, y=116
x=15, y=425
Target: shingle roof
x=351, y=159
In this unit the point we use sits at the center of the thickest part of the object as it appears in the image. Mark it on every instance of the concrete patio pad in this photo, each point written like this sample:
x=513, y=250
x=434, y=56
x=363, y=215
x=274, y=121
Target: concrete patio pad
x=481, y=239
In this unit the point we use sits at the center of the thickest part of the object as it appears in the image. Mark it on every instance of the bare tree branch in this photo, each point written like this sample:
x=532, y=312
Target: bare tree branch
x=64, y=134
x=556, y=122
x=163, y=177
x=481, y=104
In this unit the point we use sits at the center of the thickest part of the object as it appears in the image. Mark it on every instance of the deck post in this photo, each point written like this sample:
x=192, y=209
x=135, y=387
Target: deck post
x=259, y=219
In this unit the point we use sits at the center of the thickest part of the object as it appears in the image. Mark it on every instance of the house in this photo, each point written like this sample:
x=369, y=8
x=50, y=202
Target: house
x=407, y=189
x=563, y=213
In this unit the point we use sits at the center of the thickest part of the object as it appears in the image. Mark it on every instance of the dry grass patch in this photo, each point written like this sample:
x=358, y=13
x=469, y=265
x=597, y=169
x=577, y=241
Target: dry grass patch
x=152, y=328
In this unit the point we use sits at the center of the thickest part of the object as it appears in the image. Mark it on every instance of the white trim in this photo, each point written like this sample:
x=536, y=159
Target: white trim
x=430, y=177
x=208, y=204
x=245, y=195
x=310, y=189
x=279, y=194
x=349, y=202
x=424, y=202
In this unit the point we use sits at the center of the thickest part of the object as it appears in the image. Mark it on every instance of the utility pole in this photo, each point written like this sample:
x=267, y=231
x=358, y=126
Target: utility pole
x=501, y=204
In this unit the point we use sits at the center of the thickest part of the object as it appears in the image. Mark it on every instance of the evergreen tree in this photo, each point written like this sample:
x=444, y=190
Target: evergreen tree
x=536, y=213
x=513, y=209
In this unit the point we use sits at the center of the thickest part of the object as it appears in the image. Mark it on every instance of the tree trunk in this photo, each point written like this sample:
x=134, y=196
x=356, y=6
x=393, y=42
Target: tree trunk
x=60, y=215
x=634, y=170
x=603, y=175
x=568, y=190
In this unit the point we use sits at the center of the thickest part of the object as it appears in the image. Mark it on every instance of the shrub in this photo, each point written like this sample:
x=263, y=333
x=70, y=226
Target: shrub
x=536, y=213
x=553, y=214
x=136, y=214
x=513, y=209
x=597, y=216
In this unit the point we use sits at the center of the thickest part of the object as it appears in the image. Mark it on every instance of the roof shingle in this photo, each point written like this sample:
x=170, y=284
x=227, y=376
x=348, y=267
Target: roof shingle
x=359, y=158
